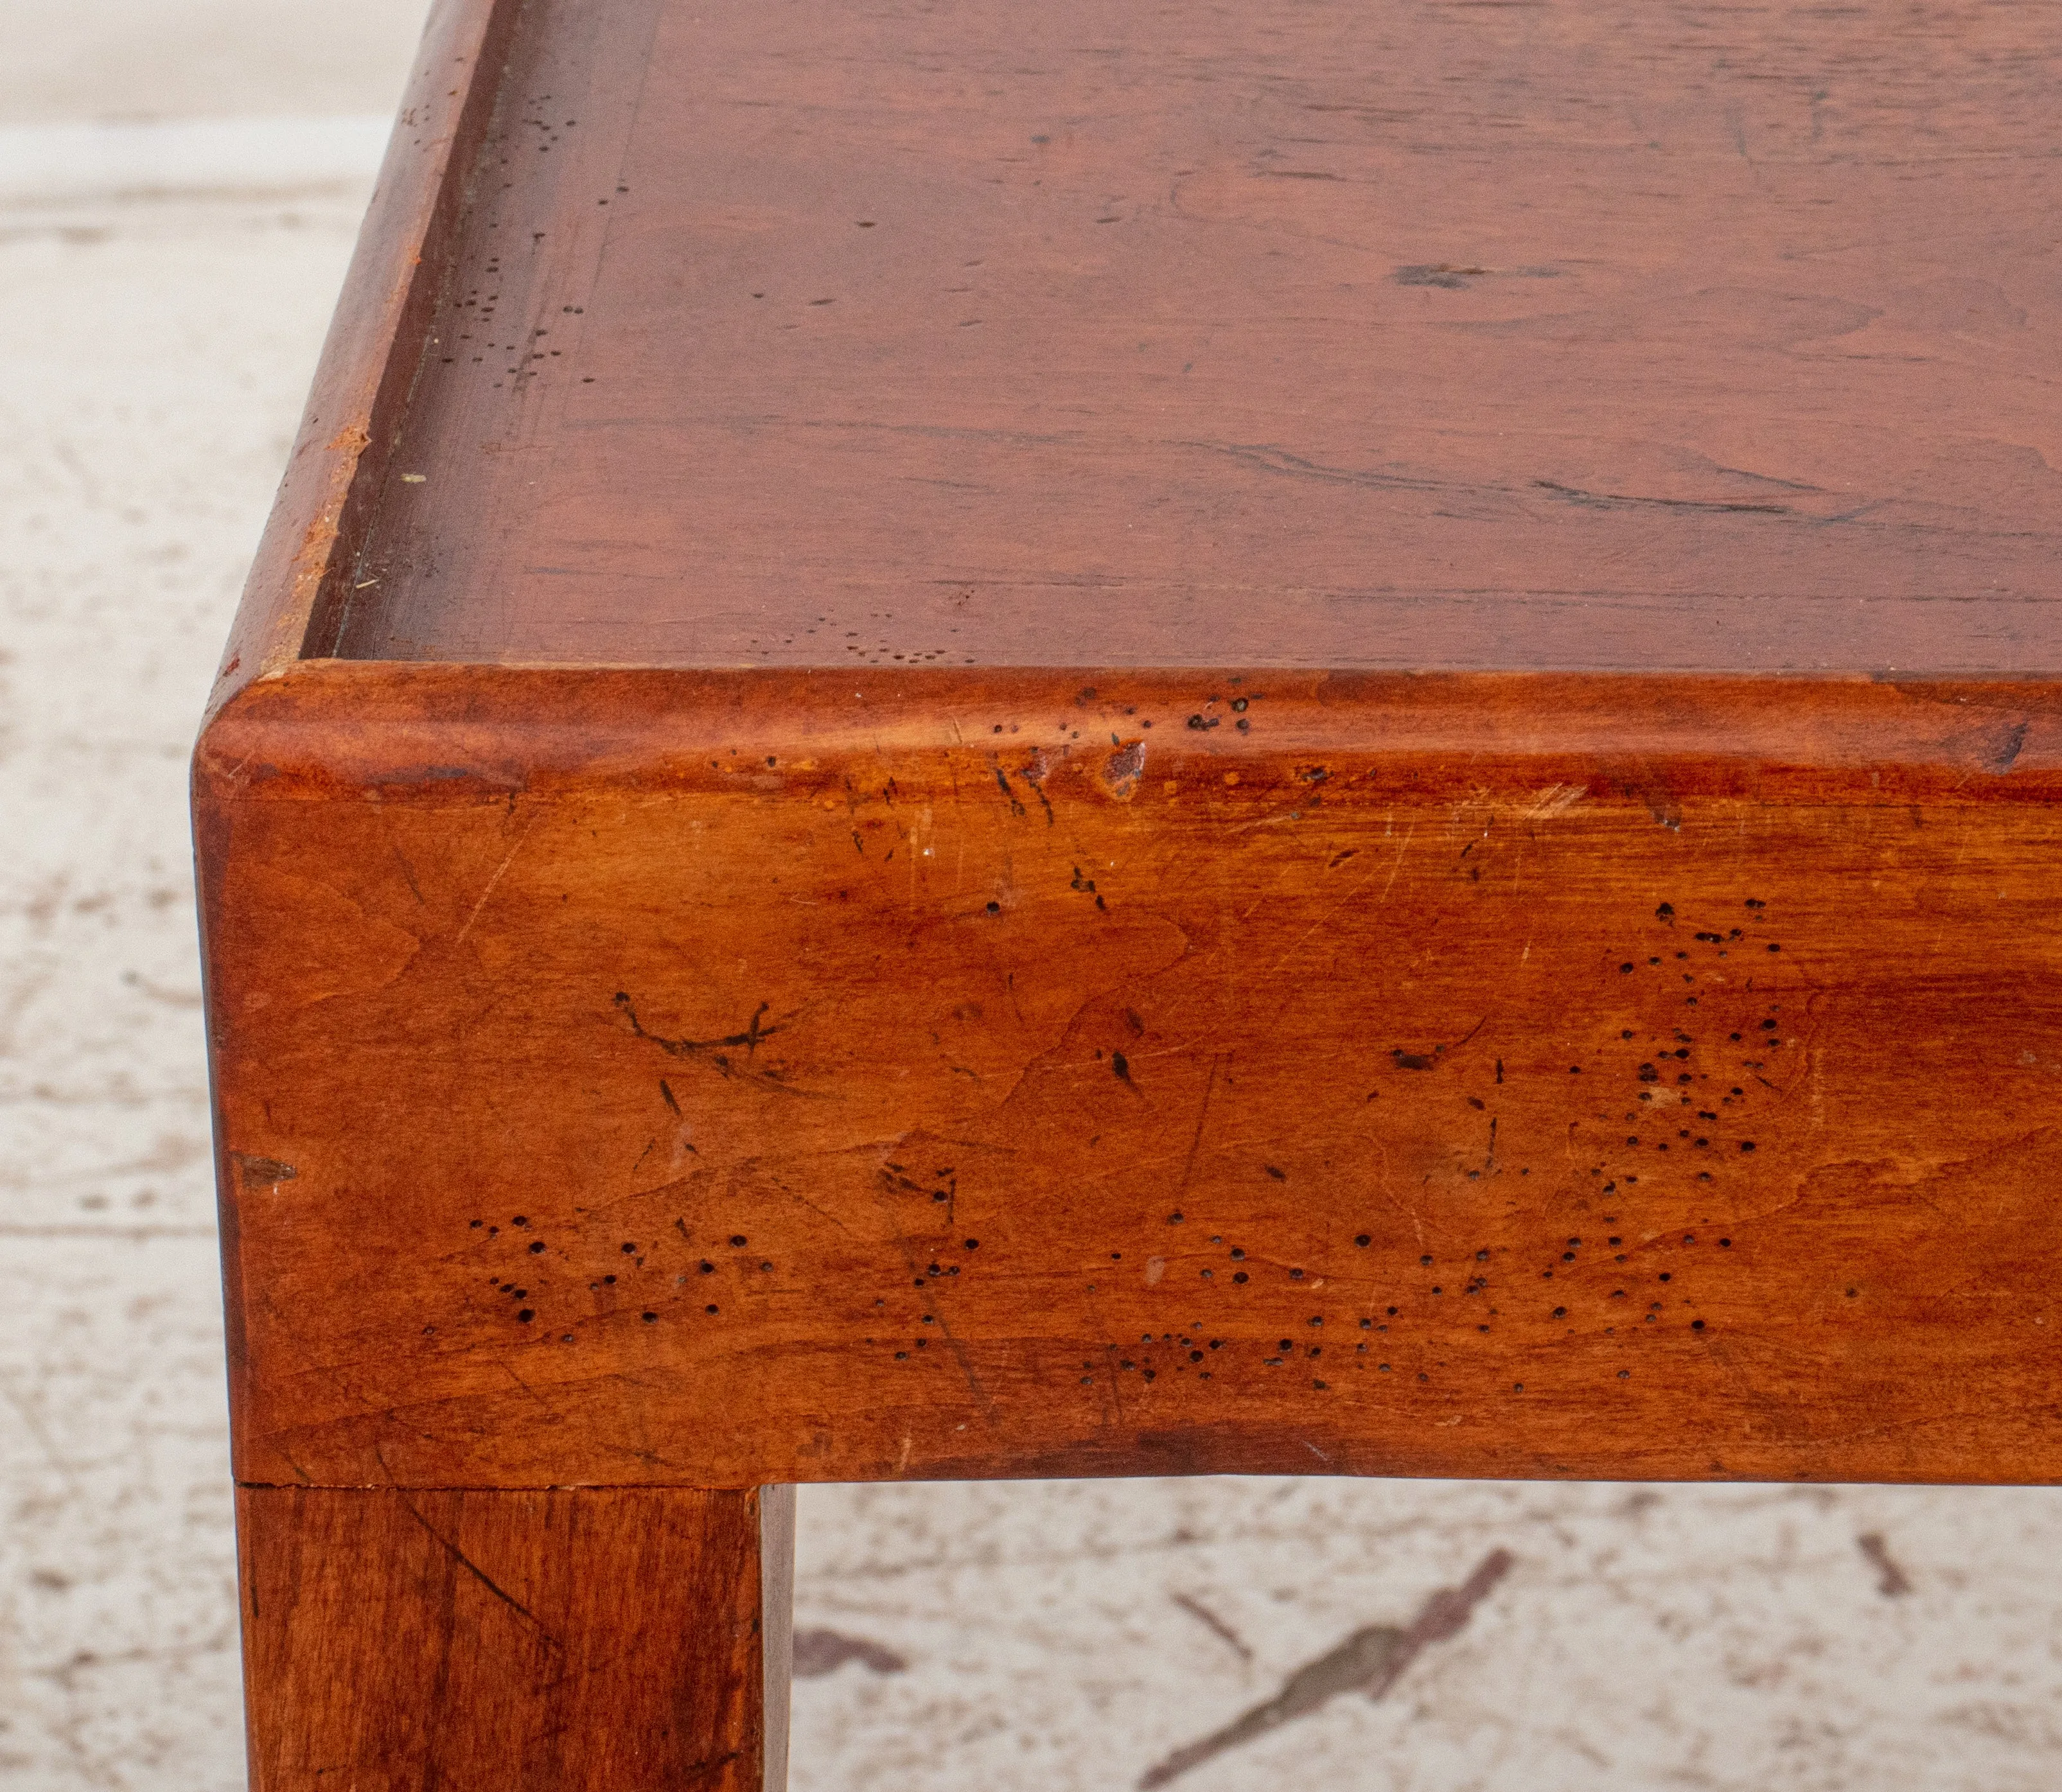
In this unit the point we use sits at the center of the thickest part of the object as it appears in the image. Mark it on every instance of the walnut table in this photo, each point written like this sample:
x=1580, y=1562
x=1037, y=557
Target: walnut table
x=1079, y=741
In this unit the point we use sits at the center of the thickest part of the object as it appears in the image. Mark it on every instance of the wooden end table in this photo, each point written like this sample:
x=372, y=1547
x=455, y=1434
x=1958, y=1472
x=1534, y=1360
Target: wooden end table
x=1049, y=741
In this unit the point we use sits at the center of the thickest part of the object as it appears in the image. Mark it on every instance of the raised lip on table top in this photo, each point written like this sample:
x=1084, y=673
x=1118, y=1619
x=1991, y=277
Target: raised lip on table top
x=362, y=378
x=367, y=368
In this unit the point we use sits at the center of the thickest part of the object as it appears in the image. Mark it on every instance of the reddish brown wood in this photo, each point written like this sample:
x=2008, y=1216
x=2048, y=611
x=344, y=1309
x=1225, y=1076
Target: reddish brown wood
x=1621, y=334
x=574, y=1640
x=725, y=1078
x=826, y=985
x=932, y=922
x=376, y=340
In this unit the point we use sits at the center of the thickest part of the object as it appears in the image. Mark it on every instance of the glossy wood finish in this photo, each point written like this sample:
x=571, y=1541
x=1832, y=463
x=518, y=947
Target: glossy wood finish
x=963, y=748
x=573, y=1641
x=1615, y=334
x=728, y=1078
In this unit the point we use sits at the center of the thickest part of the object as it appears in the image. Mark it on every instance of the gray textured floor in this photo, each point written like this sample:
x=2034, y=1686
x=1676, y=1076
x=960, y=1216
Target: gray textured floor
x=1055, y=1636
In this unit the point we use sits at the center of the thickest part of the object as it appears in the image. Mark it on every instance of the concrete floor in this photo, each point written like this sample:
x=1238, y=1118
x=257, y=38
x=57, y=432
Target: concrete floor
x=1050, y=1636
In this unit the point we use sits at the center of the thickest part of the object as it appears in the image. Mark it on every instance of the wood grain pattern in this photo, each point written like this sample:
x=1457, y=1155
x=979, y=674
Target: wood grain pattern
x=723, y=1079
x=1611, y=335
x=376, y=340
x=941, y=920
x=586, y=1640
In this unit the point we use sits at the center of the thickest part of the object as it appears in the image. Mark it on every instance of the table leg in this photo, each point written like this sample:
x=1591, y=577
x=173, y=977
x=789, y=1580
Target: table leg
x=579, y=1640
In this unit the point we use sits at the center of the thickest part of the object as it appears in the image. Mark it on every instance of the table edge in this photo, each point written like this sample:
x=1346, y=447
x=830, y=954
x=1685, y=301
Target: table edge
x=374, y=344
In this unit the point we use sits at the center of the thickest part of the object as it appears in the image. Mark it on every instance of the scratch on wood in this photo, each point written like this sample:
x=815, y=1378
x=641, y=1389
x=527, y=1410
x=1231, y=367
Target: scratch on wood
x=529, y=822
x=715, y=1052
x=1555, y=800
x=478, y=1573
x=1203, y=1115
x=952, y=1344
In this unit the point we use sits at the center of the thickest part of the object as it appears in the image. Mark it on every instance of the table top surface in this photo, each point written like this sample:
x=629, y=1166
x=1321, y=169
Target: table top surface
x=1623, y=335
